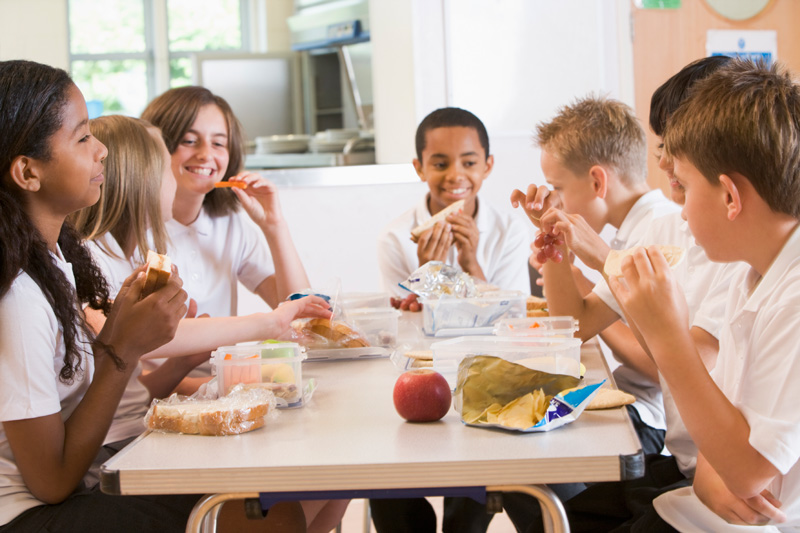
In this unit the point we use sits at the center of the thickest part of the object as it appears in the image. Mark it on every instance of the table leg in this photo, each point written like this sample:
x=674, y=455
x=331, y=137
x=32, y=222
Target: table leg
x=553, y=513
x=212, y=503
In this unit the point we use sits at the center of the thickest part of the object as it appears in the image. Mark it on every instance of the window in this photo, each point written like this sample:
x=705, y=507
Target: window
x=125, y=52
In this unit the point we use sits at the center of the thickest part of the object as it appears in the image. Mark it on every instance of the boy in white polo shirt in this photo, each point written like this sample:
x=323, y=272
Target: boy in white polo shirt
x=736, y=149
x=453, y=160
x=594, y=156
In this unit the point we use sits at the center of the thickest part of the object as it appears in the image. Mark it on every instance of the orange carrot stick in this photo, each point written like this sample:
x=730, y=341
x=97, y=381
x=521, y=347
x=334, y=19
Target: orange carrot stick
x=237, y=184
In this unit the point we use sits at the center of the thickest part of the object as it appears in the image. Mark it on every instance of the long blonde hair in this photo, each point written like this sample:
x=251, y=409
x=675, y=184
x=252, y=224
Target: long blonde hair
x=130, y=202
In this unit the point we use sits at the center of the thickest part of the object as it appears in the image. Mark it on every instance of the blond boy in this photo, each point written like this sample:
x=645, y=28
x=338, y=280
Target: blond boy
x=736, y=149
x=594, y=159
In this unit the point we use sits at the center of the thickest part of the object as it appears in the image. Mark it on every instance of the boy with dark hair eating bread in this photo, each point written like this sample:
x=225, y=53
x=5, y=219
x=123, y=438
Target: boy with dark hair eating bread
x=451, y=224
x=735, y=143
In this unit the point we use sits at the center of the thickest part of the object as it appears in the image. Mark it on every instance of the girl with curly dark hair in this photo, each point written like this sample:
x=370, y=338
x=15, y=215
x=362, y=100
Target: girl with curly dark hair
x=59, y=383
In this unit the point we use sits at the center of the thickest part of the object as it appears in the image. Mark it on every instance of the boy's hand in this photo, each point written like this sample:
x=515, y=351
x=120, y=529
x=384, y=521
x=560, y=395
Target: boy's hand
x=466, y=237
x=259, y=199
x=650, y=294
x=712, y=491
x=580, y=238
x=538, y=200
x=434, y=243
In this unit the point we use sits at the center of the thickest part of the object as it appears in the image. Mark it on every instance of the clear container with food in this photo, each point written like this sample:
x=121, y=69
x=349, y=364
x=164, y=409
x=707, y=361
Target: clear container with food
x=360, y=300
x=448, y=316
x=546, y=326
x=556, y=355
x=378, y=324
x=273, y=365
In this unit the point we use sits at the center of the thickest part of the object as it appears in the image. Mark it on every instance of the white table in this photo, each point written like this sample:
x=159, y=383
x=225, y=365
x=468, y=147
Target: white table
x=349, y=437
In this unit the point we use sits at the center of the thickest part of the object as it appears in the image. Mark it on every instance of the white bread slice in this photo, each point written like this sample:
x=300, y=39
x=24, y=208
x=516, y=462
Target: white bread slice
x=613, y=265
x=225, y=416
x=159, y=269
x=441, y=215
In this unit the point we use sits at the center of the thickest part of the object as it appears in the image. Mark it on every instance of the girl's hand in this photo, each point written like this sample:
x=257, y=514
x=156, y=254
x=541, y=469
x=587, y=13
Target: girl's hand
x=538, y=200
x=305, y=307
x=137, y=326
x=259, y=199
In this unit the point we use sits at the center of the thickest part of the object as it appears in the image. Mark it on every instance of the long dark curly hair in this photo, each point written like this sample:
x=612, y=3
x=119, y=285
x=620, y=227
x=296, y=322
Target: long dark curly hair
x=32, y=100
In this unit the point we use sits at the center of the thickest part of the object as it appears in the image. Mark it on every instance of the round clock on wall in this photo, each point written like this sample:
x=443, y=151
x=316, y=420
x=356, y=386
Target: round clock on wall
x=737, y=9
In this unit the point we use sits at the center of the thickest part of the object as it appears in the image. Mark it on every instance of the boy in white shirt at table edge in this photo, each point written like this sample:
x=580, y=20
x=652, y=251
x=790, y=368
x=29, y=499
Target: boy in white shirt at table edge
x=453, y=160
x=741, y=175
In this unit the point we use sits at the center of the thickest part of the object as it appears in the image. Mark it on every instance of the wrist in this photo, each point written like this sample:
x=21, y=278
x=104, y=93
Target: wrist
x=107, y=350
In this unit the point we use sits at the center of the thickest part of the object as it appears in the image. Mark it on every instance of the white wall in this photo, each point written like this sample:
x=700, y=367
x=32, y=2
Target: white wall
x=35, y=30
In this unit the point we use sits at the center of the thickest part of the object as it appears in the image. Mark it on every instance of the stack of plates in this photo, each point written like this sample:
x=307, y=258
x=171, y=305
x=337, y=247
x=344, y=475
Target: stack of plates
x=282, y=144
x=332, y=140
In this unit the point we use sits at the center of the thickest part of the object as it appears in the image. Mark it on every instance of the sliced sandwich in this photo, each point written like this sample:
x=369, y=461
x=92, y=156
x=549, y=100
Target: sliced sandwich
x=455, y=207
x=613, y=265
x=159, y=269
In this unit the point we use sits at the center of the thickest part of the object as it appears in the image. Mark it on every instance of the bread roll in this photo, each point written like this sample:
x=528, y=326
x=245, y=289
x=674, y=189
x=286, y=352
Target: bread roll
x=613, y=265
x=441, y=215
x=339, y=333
x=229, y=415
x=159, y=270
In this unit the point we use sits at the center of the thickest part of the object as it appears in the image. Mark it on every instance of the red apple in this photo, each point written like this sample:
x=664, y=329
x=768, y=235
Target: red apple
x=422, y=395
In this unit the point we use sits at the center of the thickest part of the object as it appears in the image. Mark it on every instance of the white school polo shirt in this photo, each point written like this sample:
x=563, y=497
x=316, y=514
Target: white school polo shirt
x=758, y=369
x=651, y=206
x=129, y=417
x=31, y=357
x=705, y=285
x=503, y=249
x=212, y=254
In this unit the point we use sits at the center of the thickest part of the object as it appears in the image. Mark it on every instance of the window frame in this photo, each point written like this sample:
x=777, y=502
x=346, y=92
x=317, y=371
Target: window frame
x=156, y=55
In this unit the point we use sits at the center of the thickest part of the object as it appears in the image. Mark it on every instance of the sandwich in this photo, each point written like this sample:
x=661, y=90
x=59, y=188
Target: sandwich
x=241, y=411
x=536, y=307
x=455, y=207
x=613, y=265
x=159, y=269
x=336, y=334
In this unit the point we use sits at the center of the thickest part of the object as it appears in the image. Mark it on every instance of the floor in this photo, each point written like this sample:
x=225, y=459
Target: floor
x=353, y=521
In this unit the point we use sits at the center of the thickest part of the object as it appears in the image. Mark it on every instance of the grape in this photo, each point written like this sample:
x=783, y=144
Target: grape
x=548, y=239
x=557, y=256
x=541, y=258
x=539, y=241
x=550, y=251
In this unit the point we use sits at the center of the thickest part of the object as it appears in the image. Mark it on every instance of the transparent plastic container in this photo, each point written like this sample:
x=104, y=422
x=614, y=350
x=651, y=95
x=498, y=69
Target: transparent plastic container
x=556, y=355
x=546, y=326
x=378, y=324
x=359, y=300
x=277, y=366
x=477, y=316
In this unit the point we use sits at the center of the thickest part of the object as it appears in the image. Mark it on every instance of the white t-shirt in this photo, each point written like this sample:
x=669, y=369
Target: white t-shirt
x=213, y=254
x=31, y=358
x=503, y=249
x=705, y=285
x=651, y=206
x=128, y=419
x=758, y=369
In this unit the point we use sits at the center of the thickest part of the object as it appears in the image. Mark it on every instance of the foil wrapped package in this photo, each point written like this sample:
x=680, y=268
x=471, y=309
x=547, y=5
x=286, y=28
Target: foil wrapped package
x=493, y=392
x=435, y=279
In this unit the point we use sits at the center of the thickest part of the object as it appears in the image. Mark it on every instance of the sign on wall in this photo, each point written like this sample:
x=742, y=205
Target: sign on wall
x=759, y=45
